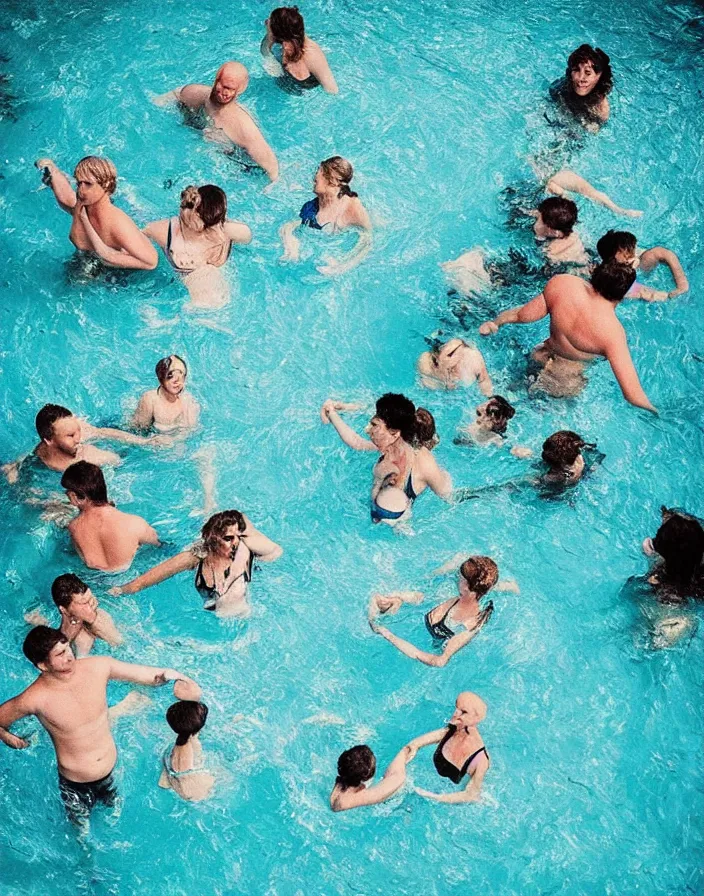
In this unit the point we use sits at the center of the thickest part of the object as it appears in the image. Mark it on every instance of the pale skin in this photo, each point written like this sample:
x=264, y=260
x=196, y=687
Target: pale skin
x=68, y=445
x=647, y=261
x=193, y=787
x=584, y=79
x=481, y=432
x=469, y=711
x=583, y=326
x=337, y=212
x=83, y=620
x=97, y=225
x=394, y=777
x=218, y=566
x=398, y=456
x=313, y=62
x=221, y=105
x=169, y=407
x=106, y=538
x=454, y=364
x=70, y=700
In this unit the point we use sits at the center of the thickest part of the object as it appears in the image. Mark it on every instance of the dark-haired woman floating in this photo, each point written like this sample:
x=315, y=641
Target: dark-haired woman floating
x=584, y=88
x=679, y=543
x=301, y=63
x=452, y=623
x=183, y=768
x=356, y=768
x=335, y=207
x=223, y=562
x=489, y=427
x=401, y=434
x=622, y=246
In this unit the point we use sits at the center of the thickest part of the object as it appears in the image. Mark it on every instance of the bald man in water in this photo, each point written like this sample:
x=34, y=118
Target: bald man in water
x=232, y=124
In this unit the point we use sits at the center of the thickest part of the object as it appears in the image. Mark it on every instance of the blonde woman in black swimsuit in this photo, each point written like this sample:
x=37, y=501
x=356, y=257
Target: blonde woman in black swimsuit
x=222, y=561
x=452, y=623
x=460, y=751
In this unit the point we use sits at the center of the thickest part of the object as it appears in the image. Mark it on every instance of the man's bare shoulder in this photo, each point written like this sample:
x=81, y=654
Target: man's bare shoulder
x=119, y=220
x=193, y=94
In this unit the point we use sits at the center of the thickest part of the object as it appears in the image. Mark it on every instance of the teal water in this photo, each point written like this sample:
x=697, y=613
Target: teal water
x=595, y=739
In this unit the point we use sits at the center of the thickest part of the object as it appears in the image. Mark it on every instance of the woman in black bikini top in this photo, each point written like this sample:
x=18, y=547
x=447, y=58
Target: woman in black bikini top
x=453, y=623
x=222, y=561
x=460, y=751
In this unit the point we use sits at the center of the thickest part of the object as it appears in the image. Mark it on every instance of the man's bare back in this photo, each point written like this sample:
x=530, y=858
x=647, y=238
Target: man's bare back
x=107, y=539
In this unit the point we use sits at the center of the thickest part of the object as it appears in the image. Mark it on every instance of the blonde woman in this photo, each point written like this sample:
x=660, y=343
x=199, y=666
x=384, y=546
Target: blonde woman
x=199, y=241
x=334, y=208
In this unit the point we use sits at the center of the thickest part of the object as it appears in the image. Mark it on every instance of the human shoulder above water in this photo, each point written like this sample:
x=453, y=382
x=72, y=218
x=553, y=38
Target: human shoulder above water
x=584, y=89
x=303, y=64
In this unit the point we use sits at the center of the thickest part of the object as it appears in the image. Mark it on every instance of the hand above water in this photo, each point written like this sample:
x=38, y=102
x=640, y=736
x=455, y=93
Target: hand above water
x=488, y=328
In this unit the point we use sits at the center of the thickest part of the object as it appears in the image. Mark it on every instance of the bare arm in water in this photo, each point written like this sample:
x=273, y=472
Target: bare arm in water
x=329, y=414
x=619, y=357
x=472, y=791
x=135, y=252
x=394, y=776
x=532, y=311
x=360, y=218
x=59, y=184
x=651, y=258
x=569, y=182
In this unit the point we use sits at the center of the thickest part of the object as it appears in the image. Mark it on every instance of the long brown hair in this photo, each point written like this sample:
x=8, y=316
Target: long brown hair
x=286, y=24
x=340, y=171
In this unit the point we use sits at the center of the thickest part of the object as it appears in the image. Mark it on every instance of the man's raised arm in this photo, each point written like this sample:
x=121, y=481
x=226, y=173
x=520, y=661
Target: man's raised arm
x=532, y=311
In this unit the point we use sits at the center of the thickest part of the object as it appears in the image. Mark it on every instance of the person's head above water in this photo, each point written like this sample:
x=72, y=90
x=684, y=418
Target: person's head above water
x=49, y=650
x=589, y=74
x=561, y=449
x=426, y=435
x=171, y=373
x=85, y=482
x=612, y=280
x=74, y=599
x=58, y=427
x=395, y=417
x=334, y=174
x=680, y=543
x=186, y=718
x=94, y=171
x=355, y=766
x=470, y=710
x=480, y=574
x=215, y=534
x=230, y=82
x=556, y=218
x=203, y=207
x=494, y=414
x=618, y=245
x=286, y=25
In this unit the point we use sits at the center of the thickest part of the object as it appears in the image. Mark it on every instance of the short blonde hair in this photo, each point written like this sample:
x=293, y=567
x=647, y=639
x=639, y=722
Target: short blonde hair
x=102, y=170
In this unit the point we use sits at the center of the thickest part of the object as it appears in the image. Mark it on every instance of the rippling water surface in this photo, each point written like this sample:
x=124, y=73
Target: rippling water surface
x=595, y=739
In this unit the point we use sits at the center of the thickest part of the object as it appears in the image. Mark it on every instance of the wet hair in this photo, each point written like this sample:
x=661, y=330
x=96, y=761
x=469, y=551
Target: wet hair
x=559, y=213
x=355, y=765
x=286, y=24
x=64, y=587
x=499, y=411
x=601, y=64
x=217, y=525
x=425, y=435
x=86, y=481
x=614, y=241
x=47, y=417
x=680, y=542
x=203, y=207
x=480, y=573
x=101, y=170
x=398, y=412
x=40, y=642
x=612, y=280
x=164, y=365
x=562, y=449
x=186, y=718
x=339, y=170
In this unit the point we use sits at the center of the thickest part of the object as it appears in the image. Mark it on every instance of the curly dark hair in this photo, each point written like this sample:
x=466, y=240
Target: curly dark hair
x=480, y=573
x=218, y=524
x=601, y=64
x=680, y=542
x=355, y=765
x=286, y=24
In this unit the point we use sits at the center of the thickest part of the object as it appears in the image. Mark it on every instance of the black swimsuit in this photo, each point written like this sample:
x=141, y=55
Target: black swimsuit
x=210, y=593
x=440, y=631
x=447, y=769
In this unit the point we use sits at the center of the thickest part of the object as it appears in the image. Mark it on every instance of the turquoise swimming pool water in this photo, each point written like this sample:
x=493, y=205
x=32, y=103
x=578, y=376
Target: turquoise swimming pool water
x=595, y=738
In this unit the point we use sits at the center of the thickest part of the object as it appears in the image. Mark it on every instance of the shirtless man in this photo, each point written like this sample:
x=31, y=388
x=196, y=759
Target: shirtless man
x=583, y=326
x=124, y=245
x=228, y=117
x=82, y=620
x=104, y=537
x=70, y=700
x=63, y=438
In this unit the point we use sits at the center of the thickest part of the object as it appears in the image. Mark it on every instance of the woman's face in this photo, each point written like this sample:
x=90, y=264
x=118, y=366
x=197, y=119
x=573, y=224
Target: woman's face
x=380, y=434
x=321, y=184
x=484, y=421
x=465, y=714
x=228, y=542
x=584, y=78
x=175, y=380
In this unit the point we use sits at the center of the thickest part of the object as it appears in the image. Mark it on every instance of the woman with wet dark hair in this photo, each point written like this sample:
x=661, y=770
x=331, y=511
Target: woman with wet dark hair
x=356, y=768
x=302, y=62
x=403, y=470
x=562, y=452
x=168, y=408
x=454, y=622
x=679, y=543
x=183, y=767
x=223, y=562
x=587, y=82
